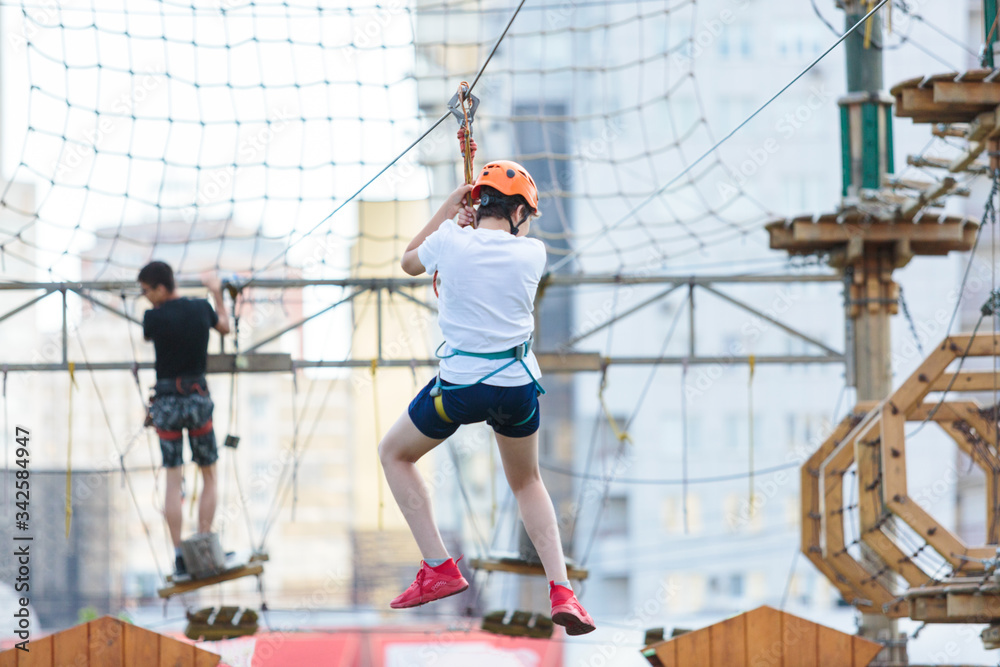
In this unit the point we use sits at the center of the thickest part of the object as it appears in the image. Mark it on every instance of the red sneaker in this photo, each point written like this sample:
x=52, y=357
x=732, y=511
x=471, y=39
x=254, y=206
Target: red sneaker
x=432, y=583
x=568, y=612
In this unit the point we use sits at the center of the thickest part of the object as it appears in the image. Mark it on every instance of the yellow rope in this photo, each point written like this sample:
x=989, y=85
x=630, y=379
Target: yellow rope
x=753, y=364
x=868, y=25
x=620, y=434
x=378, y=438
x=69, y=451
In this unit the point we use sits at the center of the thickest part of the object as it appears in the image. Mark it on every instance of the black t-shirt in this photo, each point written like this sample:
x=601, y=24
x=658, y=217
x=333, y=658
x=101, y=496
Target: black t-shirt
x=179, y=331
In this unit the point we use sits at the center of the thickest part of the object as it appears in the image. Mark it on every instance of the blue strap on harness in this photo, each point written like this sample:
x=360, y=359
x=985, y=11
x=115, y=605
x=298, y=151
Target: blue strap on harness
x=515, y=354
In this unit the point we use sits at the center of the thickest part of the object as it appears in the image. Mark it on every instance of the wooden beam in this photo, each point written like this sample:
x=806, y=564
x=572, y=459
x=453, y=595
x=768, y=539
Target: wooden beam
x=941, y=189
x=966, y=93
x=569, y=362
x=930, y=609
x=975, y=607
x=175, y=588
x=517, y=566
x=946, y=544
x=967, y=381
x=963, y=161
x=984, y=126
x=832, y=232
x=257, y=362
x=984, y=345
x=918, y=385
x=952, y=130
x=944, y=163
x=921, y=101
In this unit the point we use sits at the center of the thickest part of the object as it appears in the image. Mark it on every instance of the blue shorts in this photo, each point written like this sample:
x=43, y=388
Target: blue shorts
x=511, y=411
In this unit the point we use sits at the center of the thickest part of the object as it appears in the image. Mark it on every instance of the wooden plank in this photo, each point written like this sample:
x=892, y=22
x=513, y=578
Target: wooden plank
x=694, y=649
x=917, y=101
x=968, y=157
x=71, y=647
x=833, y=648
x=929, y=529
x=864, y=651
x=985, y=429
x=965, y=93
x=9, y=658
x=918, y=385
x=204, y=658
x=967, y=381
x=936, y=191
x=522, y=567
x=929, y=609
x=898, y=89
x=176, y=654
x=893, y=452
x=39, y=653
x=194, y=584
x=569, y=362
x=983, y=127
x=869, y=502
x=728, y=641
x=799, y=642
x=141, y=647
x=106, y=642
x=948, y=411
x=667, y=653
x=878, y=232
x=982, y=346
x=985, y=608
x=255, y=362
x=764, y=644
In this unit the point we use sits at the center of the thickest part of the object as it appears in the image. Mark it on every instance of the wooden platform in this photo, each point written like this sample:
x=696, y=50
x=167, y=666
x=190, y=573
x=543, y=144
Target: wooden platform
x=957, y=600
x=948, y=98
x=251, y=568
x=108, y=642
x=519, y=566
x=931, y=235
x=764, y=636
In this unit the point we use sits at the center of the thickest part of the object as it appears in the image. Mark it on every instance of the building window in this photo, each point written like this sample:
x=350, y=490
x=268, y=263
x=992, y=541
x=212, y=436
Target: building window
x=735, y=585
x=673, y=514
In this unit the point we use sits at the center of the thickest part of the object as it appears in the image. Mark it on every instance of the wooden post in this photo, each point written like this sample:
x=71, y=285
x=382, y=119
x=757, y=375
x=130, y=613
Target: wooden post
x=868, y=147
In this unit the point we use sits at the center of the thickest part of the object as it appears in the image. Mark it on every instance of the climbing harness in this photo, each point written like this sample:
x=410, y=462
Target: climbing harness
x=515, y=354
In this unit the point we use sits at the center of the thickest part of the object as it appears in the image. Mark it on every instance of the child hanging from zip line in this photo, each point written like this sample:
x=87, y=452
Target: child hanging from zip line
x=179, y=327
x=489, y=273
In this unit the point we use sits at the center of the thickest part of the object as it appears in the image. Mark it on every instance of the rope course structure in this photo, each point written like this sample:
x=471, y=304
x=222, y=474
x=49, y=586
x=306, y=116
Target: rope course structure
x=318, y=142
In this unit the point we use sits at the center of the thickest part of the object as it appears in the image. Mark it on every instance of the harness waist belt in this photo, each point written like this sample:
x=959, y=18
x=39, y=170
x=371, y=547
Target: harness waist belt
x=515, y=354
x=182, y=386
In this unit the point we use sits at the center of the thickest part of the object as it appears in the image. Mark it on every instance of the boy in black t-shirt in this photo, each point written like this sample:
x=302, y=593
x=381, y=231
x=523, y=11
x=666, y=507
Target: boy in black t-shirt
x=178, y=327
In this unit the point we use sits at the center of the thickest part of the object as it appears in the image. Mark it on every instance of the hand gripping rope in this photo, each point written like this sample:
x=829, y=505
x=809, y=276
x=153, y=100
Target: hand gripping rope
x=463, y=105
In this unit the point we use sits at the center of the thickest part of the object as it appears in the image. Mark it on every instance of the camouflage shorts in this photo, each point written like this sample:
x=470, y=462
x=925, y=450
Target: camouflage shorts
x=173, y=413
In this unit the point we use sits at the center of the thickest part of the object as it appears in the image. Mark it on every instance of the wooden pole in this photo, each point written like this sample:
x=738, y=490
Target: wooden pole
x=871, y=293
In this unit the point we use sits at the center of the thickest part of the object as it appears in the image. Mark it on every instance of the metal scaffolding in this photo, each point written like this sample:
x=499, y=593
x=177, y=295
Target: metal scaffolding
x=564, y=358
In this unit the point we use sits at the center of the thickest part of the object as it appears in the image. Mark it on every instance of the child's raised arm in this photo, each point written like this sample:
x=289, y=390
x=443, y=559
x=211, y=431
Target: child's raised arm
x=453, y=206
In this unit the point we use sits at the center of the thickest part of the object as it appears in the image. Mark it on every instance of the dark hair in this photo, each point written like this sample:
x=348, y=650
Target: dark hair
x=495, y=204
x=155, y=274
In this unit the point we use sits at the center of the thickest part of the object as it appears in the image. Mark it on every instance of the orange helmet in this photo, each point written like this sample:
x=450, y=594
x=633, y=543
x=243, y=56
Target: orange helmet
x=510, y=178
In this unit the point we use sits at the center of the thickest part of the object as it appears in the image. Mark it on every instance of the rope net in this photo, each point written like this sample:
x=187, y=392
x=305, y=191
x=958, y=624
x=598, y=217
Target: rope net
x=221, y=136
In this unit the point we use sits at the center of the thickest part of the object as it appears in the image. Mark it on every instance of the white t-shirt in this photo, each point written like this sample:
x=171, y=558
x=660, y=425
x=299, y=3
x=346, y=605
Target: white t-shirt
x=486, y=285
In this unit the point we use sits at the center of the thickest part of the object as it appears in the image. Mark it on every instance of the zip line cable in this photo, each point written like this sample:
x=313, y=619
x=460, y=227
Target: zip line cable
x=716, y=146
x=445, y=116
